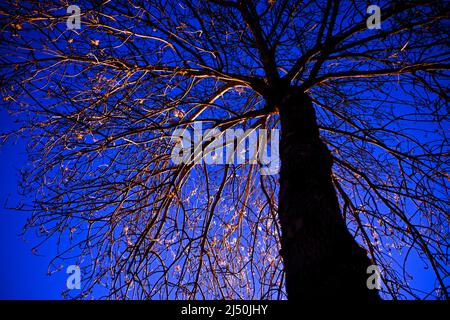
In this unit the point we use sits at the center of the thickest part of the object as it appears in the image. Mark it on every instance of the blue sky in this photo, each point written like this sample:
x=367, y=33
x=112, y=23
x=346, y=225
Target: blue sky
x=23, y=275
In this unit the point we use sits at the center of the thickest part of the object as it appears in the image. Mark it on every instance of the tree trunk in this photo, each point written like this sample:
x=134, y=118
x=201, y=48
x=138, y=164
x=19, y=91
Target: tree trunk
x=321, y=258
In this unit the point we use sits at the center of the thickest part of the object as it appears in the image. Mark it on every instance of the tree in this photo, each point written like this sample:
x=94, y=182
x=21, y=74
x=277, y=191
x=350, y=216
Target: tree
x=363, y=148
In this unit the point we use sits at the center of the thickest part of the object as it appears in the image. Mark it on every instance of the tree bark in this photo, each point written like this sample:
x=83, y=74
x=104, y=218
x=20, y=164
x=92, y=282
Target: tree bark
x=321, y=258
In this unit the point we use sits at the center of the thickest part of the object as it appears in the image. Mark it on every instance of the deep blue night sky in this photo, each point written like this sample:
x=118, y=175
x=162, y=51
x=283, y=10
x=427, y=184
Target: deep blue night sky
x=23, y=275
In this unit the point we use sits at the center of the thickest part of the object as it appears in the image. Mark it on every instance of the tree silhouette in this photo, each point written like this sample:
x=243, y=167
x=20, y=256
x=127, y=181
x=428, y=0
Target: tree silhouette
x=362, y=113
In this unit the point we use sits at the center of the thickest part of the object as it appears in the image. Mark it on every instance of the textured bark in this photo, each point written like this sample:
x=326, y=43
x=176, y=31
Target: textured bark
x=321, y=258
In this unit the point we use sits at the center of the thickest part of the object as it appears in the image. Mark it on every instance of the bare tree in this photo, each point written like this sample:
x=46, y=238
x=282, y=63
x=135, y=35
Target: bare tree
x=364, y=166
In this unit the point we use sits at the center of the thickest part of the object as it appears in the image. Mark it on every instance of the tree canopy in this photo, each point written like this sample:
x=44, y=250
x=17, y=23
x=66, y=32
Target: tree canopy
x=98, y=106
